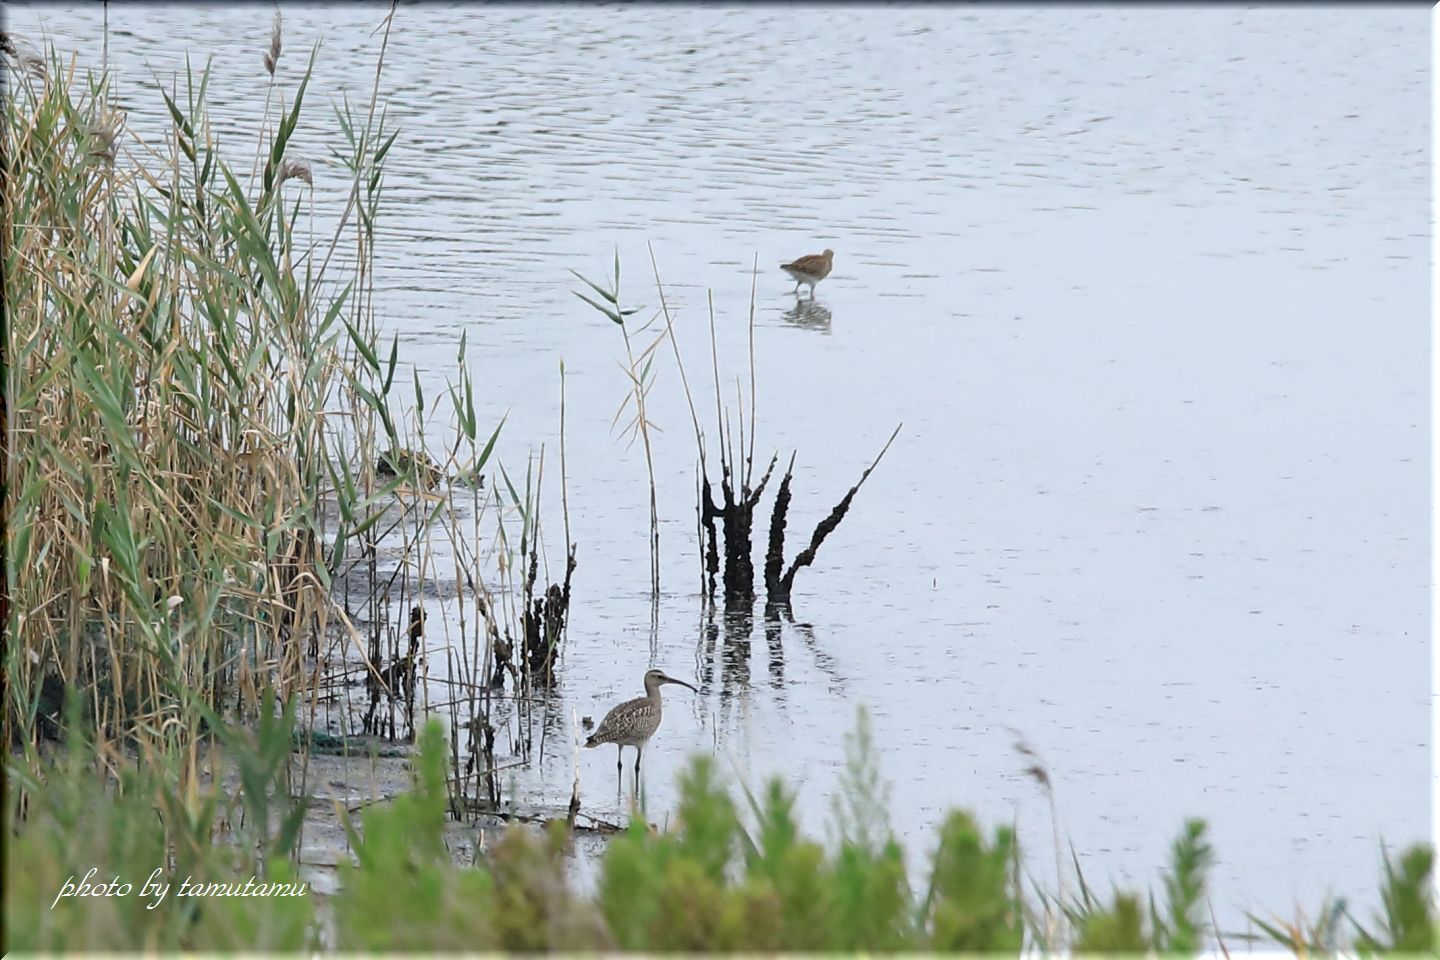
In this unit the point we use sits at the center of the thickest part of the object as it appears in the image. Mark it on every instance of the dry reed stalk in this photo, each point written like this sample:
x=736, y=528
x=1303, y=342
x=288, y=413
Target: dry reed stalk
x=699, y=434
x=1037, y=770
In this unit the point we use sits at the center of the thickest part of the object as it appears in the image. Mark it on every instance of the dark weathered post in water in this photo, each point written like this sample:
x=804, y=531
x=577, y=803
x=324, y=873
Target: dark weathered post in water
x=737, y=518
x=735, y=512
x=711, y=536
x=778, y=587
x=739, y=568
x=775, y=549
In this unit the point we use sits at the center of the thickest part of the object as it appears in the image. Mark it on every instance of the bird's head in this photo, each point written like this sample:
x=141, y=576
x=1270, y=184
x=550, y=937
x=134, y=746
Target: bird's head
x=654, y=678
x=828, y=254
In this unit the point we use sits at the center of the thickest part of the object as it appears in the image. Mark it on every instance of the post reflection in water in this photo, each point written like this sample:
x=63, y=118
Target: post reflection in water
x=823, y=659
x=705, y=655
x=777, y=649
x=733, y=655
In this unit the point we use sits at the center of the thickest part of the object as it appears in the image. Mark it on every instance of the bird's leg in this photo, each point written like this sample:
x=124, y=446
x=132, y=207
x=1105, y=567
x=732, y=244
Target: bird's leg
x=638, y=751
x=619, y=758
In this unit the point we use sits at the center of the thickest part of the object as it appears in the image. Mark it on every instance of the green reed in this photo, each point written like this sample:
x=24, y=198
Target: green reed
x=724, y=875
x=640, y=370
x=200, y=423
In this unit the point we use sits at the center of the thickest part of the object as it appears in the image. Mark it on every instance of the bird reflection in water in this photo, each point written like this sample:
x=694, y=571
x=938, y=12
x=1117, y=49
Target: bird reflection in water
x=810, y=315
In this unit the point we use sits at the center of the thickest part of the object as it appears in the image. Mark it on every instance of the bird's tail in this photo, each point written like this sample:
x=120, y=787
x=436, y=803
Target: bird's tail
x=591, y=743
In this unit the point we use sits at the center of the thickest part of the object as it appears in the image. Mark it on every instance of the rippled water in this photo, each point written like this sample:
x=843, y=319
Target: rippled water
x=1147, y=288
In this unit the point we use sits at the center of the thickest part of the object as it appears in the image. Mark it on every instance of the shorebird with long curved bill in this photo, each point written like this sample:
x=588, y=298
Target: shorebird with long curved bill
x=810, y=269
x=634, y=722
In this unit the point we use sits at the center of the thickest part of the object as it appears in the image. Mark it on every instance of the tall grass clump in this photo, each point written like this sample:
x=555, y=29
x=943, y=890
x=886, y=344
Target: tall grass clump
x=185, y=388
x=1408, y=922
x=212, y=489
x=405, y=893
x=162, y=822
x=715, y=883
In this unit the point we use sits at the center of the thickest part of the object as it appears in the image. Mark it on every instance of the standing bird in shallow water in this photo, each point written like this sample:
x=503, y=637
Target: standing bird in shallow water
x=810, y=269
x=635, y=721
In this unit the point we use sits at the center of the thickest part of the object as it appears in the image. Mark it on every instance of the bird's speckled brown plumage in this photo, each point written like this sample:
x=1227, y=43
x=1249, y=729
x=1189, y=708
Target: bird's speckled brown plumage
x=810, y=269
x=634, y=722
x=631, y=723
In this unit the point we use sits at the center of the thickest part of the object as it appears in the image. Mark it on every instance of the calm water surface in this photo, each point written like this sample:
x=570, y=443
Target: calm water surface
x=1147, y=288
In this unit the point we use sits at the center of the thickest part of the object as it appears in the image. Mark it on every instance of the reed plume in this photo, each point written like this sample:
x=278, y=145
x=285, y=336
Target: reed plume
x=272, y=55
